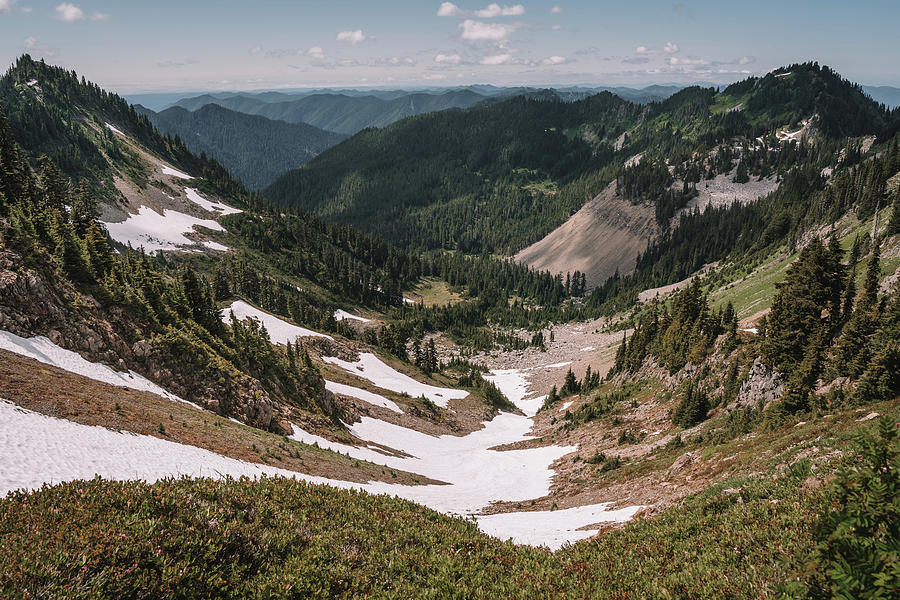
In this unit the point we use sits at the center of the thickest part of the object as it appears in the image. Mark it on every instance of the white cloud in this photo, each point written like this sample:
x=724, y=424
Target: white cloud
x=98, y=16
x=34, y=47
x=448, y=59
x=497, y=59
x=554, y=60
x=674, y=60
x=316, y=52
x=435, y=76
x=354, y=37
x=6, y=5
x=69, y=13
x=447, y=9
x=746, y=60
x=256, y=49
x=556, y=27
x=495, y=10
x=556, y=9
x=669, y=48
x=477, y=31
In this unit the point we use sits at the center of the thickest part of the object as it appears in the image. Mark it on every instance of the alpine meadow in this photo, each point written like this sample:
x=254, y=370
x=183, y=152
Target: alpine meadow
x=432, y=300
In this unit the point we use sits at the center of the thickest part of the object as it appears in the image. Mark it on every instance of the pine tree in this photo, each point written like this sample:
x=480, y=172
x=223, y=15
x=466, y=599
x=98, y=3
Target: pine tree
x=54, y=188
x=85, y=210
x=873, y=272
x=692, y=409
x=893, y=227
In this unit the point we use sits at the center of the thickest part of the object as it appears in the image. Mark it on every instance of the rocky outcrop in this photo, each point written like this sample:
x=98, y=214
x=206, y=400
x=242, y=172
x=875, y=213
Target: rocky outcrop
x=762, y=385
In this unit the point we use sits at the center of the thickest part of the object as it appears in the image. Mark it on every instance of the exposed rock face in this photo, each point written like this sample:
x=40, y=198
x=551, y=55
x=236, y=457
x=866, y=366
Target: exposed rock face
x=762, y=384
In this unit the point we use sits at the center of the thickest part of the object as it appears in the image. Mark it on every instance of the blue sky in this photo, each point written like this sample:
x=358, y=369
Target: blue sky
x=166, y=45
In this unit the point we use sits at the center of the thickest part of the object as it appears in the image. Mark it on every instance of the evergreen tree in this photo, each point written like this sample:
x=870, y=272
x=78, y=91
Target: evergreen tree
x=54, y=189
x=692, y=409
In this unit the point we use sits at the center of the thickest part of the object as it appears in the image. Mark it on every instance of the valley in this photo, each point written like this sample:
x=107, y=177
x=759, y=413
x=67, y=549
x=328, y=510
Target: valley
x=545, y=345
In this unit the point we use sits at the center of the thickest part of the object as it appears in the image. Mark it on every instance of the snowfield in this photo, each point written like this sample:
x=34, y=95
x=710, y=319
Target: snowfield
x=372, y=368
x=43, y=350
x=340, y=315
x=167, y=170
x=219, y=209
x=553, y=528
x=38, y=449
x=353, y=392
x=280, y=331
x=155, y=232
x=114, y=129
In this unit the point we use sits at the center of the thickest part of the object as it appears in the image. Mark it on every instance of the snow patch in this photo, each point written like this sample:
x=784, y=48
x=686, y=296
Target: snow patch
x=215, y=246
x=340, y=315
x=155, y=232
x=588, y=348
x=566, y=406
x=220, y=209
x=43, y=350
x=558, y=365
x=552, y=528
x=114, y=129
x=353, y=392
x=372, y=368
x=38, y=449
x=167, y=170
x=280, y=331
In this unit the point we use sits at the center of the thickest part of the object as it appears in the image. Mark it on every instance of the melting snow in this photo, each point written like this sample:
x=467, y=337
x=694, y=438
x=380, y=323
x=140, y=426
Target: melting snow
x=566, y=405
x=280, y=331
x=588, y=349
x=175, y=173
x=220, y=209
x=114, y=129
x=552, y=528
x=557, y=365
x=215, y=246
x=340, y=315
x=372, y=368
x=43, y=350
x=156, y=231
x=353, y=392
x=38, y=449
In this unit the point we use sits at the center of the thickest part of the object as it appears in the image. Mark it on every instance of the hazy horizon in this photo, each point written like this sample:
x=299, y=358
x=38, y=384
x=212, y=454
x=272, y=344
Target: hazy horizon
x=411, y=44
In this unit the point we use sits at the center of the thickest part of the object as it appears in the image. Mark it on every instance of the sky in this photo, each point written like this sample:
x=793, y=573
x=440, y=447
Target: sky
x=132, y=46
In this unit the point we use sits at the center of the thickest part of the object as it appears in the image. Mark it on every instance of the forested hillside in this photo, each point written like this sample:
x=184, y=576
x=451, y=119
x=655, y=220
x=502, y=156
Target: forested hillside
x=254, y=149
x=496, y=178
x=483, y=180
x=342, y=113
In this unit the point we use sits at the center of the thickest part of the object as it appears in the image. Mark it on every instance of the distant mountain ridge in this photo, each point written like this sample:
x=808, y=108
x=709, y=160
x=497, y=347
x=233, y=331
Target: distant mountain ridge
x=350, y=111
x=339, y=112
x=255, y=149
